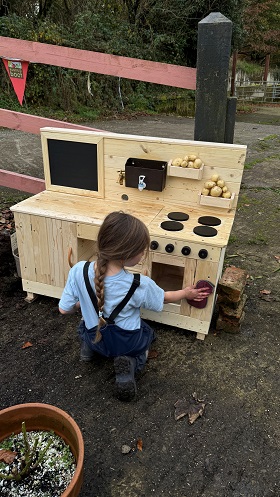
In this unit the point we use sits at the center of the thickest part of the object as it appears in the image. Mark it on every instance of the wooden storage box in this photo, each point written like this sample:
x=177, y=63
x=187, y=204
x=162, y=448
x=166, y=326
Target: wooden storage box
x=223, y=203
x=184, y=172
x=153, y=170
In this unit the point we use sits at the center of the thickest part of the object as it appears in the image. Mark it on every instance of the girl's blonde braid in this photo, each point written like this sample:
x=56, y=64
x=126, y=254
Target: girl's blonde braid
x=100, y=270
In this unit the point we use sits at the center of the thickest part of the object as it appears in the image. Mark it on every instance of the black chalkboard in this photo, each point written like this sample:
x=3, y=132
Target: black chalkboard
x=73, y=164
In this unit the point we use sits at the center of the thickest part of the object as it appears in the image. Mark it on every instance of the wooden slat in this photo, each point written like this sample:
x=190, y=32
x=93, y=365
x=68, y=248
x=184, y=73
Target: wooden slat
x=35, y=287
x=21, y=182
x=57, y=256
x=41, y=249
x=177, y=320
x=101, y=63
x=68, y=241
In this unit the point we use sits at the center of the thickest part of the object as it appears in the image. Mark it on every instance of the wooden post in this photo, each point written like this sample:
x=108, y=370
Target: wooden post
x=213, y=54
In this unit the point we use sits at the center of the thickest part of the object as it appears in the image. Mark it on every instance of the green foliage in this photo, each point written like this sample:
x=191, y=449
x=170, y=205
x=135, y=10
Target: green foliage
x=253, y=71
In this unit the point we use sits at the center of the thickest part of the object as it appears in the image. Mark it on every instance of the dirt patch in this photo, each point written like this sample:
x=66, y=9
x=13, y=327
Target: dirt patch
x=233, y=449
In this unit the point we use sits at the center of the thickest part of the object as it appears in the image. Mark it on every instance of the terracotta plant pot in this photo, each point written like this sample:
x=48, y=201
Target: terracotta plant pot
x=46, y=417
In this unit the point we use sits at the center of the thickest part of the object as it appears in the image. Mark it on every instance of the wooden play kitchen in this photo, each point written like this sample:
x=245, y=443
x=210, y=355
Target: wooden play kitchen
x=89, y=174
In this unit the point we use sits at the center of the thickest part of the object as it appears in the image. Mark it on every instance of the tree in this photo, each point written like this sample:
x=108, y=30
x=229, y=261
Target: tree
x=261, y=25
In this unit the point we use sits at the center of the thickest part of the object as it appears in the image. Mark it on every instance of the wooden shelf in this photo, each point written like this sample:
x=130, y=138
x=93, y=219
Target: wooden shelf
x=222, y=203
x=184, y=172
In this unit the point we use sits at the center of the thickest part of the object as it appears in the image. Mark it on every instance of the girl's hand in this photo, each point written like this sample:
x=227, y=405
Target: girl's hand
x=196, y=294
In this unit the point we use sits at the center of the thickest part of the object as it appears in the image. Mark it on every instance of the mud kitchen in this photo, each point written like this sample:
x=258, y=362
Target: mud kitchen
x=164, y=182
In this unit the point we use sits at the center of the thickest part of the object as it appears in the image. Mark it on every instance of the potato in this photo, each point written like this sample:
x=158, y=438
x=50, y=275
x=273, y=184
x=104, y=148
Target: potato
x=177, y=162
x=192, y=157
x=190, y=164
x=209, y=184
x=205, y=191
x=216, y=191
x=221, y=183
x=184, y=163
x=225, y=189
x=186, y=158
x=226, y=194
x=215, y=178
x=197, y=163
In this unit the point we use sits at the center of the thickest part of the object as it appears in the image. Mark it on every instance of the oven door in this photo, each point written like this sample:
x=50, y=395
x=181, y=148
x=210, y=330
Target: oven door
x=173, y=272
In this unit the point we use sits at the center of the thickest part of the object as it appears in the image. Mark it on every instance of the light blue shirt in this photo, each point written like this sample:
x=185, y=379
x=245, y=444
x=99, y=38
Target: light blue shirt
x=148, y=295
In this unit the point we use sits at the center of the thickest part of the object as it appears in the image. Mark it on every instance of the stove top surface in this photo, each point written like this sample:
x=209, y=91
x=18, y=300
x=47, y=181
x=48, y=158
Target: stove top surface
x=195, y=224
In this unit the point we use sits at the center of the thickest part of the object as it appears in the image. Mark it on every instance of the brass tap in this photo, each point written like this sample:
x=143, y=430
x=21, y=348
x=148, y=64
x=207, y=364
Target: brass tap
x=121, y=177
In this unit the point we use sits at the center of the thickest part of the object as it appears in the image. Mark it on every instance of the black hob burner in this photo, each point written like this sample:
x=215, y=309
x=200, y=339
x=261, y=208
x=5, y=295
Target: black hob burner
x=209, y=220
x=171, y=226
x=205, y=231
x=178, y=216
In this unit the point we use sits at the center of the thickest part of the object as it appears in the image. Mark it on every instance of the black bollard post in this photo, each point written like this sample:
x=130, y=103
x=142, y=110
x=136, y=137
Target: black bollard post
x=213, y=54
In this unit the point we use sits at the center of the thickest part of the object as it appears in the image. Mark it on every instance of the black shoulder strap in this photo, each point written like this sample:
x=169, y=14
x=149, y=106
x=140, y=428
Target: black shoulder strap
x=89, y=287
x=120, y=306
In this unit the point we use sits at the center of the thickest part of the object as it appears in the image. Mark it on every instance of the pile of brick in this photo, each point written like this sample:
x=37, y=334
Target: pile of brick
x=231, y=299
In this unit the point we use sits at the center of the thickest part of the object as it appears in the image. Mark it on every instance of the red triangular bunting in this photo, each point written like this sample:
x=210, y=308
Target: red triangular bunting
x=17, y=71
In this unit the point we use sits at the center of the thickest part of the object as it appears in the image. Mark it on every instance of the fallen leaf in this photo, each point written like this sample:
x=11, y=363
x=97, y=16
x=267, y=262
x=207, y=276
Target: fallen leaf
x=7, y=456
x=152, y=354
x=277, y=257
x=140, y=444
x=26, y=345
x=265, y=292
x=194, y=408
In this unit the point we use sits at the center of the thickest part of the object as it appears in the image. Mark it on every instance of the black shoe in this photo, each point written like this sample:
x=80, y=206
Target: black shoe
x=125, y=381
x=86, y=354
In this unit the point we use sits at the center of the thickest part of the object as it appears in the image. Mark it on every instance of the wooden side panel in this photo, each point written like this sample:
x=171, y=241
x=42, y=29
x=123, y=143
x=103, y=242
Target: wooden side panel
x=25, y=246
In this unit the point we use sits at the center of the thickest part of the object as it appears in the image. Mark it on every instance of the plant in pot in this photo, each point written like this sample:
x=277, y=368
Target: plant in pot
x=30, y=426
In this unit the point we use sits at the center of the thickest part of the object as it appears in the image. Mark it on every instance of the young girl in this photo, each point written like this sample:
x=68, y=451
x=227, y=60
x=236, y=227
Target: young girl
x=110, y=299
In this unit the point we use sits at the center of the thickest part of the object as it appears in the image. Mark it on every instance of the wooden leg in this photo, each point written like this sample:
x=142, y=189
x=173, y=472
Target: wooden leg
x=30, y=297
x=200, y=336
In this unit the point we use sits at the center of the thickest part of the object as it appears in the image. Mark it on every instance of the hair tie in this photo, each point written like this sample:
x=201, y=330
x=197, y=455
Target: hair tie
x=100, y=314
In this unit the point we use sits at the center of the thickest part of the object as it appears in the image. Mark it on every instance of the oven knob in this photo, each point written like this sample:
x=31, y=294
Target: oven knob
x=154, y=245
x=203, y=253
x=186, y=250
x=169, y=248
